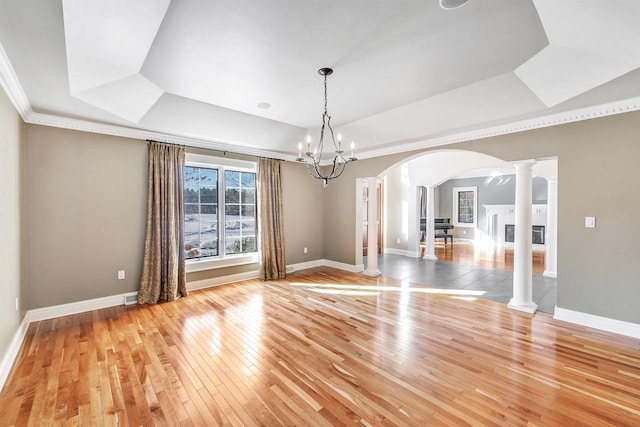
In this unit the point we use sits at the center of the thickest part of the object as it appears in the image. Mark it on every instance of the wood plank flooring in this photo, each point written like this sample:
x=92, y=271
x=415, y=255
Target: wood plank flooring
x=321, y=348
x=492, y=257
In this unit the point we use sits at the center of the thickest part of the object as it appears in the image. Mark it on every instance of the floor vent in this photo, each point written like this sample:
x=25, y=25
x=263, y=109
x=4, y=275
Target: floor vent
x=131, y=299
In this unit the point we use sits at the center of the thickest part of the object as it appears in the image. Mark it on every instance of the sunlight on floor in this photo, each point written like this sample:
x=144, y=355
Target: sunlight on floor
x=368, y=290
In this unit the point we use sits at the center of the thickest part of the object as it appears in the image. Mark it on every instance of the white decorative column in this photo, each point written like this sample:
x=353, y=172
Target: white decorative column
x=429, y=234
x=551, y=257
x=522, y=256
x=372, y=227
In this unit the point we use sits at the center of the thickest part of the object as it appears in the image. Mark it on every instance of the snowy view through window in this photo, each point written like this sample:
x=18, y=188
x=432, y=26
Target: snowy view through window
x=204, y=212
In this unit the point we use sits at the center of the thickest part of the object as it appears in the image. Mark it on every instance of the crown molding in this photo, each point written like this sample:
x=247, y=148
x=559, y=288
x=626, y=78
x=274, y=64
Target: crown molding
x=11, y=85
x=587, y=113
x=122, y=131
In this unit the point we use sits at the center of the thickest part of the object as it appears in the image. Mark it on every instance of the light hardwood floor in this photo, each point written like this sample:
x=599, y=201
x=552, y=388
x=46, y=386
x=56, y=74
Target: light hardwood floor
x=491, y=257
x=321, y=348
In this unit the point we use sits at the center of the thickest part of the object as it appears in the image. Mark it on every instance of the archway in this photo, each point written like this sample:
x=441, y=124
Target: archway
x=432, y=169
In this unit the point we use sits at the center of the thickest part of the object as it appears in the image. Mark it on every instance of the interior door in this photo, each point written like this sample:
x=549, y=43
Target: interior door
x=365, y=222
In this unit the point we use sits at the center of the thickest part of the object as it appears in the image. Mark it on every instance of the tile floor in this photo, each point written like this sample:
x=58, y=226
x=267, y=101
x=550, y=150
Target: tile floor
x=498, y=284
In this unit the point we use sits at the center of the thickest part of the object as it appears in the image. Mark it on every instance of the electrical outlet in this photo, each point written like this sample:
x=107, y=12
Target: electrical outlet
x=304, y=250
x=397, y=241
x=120, y=274
x=590, y=222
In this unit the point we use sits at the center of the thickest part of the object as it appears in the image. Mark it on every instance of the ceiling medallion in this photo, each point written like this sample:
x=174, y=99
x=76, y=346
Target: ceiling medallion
x=313, y=158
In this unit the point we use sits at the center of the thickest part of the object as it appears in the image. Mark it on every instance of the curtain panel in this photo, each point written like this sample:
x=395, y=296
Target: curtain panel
x=272, y=264
x=163, y=272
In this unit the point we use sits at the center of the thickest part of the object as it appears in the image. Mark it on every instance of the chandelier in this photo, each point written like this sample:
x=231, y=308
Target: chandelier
x=313, y=158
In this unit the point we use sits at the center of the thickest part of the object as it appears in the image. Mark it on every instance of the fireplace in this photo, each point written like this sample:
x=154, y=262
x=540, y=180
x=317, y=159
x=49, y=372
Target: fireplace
x=537, y=234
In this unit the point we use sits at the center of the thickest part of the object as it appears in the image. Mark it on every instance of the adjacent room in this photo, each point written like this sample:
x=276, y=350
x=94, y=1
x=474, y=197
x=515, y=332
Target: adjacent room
x=319, y=213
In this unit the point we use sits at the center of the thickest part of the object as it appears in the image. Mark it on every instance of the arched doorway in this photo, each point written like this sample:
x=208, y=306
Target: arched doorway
x=437, y=170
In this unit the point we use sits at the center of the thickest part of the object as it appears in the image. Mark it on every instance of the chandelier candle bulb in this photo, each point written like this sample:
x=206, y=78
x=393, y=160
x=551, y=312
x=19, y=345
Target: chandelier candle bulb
x=353, y=148
x=300, y=150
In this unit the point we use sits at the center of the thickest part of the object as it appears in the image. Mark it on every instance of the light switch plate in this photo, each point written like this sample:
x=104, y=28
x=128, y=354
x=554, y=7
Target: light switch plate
x=590, y=222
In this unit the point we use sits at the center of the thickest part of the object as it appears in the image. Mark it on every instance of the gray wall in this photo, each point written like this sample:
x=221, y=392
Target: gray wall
x=499, y=190
x=598, y=268
x=12, y=223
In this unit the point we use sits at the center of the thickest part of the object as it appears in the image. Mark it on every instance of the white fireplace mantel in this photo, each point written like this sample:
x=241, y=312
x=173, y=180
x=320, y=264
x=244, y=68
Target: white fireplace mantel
x=500, y=215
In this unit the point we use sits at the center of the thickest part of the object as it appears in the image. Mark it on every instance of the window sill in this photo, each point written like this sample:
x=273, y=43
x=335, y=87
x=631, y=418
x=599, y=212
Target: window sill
x=228, y=261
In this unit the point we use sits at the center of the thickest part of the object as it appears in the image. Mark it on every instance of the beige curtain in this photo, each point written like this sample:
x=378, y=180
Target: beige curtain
x=163, y=272
x=271, y=221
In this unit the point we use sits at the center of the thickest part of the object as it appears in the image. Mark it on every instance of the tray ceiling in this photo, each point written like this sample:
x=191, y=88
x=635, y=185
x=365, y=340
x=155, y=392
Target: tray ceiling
x=407, y=73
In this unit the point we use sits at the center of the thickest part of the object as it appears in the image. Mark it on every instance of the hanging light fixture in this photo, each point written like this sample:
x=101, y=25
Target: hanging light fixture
x=313, y=158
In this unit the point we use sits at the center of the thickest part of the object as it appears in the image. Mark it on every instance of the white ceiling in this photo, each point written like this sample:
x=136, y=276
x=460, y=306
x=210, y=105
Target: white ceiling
x=408, y=73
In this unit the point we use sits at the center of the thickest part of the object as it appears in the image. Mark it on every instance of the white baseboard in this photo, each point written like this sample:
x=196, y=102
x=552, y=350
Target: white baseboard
x=304, y=265
x=223, y=280
x=597, y=322
x=325, y=263
x=342, y=266
x=45, y=313
x=14, y=347
x=402, y=252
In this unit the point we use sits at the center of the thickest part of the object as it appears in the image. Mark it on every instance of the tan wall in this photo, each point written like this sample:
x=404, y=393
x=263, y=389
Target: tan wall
x=303, y=206
x=86, y=201
x=196, y=276
x=12, y=223
x=395, y=193
x=598, y=269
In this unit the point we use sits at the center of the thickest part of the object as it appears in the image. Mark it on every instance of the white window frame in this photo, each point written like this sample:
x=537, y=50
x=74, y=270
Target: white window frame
x=456, y=192
x=222, y=164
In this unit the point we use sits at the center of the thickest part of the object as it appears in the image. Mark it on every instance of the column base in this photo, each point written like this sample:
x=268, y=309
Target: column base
x=430, y=257
x=548, y=273
x=527, y=307
x=368, y=272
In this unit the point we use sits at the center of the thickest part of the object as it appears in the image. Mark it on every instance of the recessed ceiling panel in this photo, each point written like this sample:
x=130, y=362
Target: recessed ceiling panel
x=590, y=43
x=129, y=98
x=237, y=55
x=108, y=40
x=492, y=99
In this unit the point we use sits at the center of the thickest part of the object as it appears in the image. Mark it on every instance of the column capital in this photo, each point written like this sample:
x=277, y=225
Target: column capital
x=524, y=164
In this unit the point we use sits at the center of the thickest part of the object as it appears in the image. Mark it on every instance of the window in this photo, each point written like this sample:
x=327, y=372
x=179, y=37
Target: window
x=200, y=212
x=220, y=209
x=465, y=210
x=240, y=212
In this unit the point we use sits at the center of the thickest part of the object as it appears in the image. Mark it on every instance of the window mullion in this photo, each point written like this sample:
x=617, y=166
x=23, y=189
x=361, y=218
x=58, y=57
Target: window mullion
x=221, y=213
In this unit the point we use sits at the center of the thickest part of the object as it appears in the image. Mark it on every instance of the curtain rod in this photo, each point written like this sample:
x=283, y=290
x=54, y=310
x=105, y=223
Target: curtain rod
x=223, y=152
x=166, y=143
